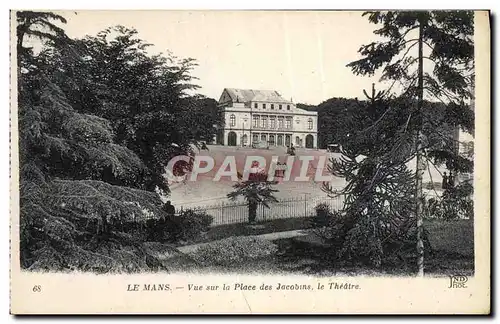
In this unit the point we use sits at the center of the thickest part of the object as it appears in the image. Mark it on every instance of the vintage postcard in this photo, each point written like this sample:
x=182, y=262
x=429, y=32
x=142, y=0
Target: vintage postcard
x=250, y=162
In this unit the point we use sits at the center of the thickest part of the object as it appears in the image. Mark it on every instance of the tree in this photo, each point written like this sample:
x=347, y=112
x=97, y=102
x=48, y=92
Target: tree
x=38, y=25
x=375, y=223
x=74, y=178
x=209, y=116
x=256, y=190
x=157, y=118
x=335, y=119
x=448, y=38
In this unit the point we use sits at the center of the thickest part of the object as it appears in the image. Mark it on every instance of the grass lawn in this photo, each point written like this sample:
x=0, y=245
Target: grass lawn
x=452, y=243
x=242, y=229
x=455, y=236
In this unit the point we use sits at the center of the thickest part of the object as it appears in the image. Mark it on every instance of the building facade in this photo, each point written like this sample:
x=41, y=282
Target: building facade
x=264, y=118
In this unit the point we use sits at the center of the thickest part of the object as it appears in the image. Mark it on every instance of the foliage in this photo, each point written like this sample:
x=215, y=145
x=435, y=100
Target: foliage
x=448, y=35
x=157, y=118
x=118, y=252
x=184, y=227
x=379, y=193
x=31, y=24
x=233, y=250
x=323, y=216
x=455, y=203
x=209, y=116
x=256, y=190
x=92, y=155
x=448, y=38
x=336, y=122
x=383, y=207
x=334, y=119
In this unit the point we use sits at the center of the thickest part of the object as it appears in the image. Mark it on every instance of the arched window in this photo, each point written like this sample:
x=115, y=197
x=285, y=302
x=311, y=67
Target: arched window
x=309, y=141
x=232, y=120
x=231, y=139
x=310, y=123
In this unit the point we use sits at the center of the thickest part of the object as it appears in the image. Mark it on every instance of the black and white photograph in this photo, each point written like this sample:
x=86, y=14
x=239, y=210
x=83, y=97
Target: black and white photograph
x=294, y=144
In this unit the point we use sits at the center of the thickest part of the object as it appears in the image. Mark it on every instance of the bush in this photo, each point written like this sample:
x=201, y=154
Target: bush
x=192, y=223
x=185, y=227
x=362, y=244
x=234, y=250
x=371, y=239
x=455, y=203
x=324, y=222
x=323, y=215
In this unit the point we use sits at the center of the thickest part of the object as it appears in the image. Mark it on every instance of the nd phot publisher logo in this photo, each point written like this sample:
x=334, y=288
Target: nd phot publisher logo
x=458, y=281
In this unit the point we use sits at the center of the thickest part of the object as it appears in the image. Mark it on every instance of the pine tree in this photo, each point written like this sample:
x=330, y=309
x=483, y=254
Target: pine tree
x=444, y=39
x=375, y=224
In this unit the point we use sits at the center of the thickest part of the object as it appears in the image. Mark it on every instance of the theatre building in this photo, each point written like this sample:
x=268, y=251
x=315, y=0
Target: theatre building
x=264, y=118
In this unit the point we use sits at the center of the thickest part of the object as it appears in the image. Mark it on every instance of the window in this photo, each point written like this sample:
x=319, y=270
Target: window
x=310, y=123
x=256, y=121
x=255, y=138
x=272, y=106
x=289, y=123
x=256, y=105
x=232, y=120
x=271, y=139
x=280, y=122
x=263, y=106
x=264, y=122
x=273, y=122
x=287, y=107
x=281, y=106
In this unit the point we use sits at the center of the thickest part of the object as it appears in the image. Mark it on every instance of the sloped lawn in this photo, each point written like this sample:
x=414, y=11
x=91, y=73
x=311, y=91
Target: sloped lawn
x=452, y=242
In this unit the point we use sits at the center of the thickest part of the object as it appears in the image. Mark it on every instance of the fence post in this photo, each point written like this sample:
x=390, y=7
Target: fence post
x=305, y=205
x=222, y=213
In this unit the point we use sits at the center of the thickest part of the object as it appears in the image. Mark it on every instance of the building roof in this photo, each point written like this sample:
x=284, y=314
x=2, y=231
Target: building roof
x=247, y=95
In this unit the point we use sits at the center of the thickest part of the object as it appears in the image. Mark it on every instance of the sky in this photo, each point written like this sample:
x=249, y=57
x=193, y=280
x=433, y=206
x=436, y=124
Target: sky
x=300, y=54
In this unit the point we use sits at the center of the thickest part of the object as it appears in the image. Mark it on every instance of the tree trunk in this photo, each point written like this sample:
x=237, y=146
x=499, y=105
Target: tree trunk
x=105, y=225
x=252, y=212
x=420, y=167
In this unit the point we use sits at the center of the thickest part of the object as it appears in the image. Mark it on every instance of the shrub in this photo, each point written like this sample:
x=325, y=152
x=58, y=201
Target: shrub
x=323, y=223
x=371, y=239
x=185, y=227
x=456, y=202
x=234, y=250
x=323, y=215
x=192, y=224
